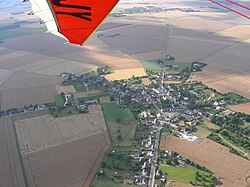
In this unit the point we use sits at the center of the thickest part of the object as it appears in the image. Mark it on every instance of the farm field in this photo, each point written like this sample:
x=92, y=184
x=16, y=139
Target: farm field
x=230, y=169
x=123, y=42
x=126, y=131
x=65, y=89
x=126, y=74
x=78, y=87
x=31, y=114
x=245, y=108
x=146, y=81
x=4, y=74
x=180, y=174
x=64, y=151
x=202, y=132
x=59, y=99
x=151, y=65
x=225, y=79
x=22, y=89
x=218, y=43
x=209, y=124
x=23, y=60
x=18, y=98
x=112, y=112
x=70, y=164
x=11, y=174
x=26, y=80
x=87, y=93
x=121, y=124
x=57, y=131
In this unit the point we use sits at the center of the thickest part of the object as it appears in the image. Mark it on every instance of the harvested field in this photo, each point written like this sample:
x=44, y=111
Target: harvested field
x=245, y=108
x=230, y=169
x=126, y=74
x=4, y=74
x=21, y=89
x=27, y=80
x=109, y=57
x=181, y=50
x=111, y=25
x=238, y=32
x=29, y=62
x=238, y=84
x=136, y=39
x=42, y=132
x=51, y=56
x=225, y=79
x=217, y=43
x=18, y=98
x=65, y=89
x=11, y=173
x=71, y=164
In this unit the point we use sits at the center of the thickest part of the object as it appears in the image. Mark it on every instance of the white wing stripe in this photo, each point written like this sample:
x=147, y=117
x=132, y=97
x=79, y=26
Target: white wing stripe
x=42, y=10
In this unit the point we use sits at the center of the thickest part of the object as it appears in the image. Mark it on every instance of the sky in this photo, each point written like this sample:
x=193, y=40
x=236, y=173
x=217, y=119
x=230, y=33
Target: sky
x=13, y=6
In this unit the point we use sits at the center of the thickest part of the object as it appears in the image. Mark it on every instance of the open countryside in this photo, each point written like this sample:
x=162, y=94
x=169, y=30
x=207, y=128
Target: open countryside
x=158, y=96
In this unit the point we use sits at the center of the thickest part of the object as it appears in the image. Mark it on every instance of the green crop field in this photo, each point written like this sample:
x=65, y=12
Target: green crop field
x=151, y=65
x=182, y=65
x=122, y=133
x=79, y=87
x=113, y=113
x=202, y=132
x=59, y=100
x=210, y=125
x=180, y=174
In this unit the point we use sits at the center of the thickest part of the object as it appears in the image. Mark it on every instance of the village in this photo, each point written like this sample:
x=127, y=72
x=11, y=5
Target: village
x=158, y=108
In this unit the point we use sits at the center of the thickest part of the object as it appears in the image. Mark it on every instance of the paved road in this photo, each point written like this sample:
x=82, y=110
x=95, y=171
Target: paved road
x=154, y=161
x=158, y=134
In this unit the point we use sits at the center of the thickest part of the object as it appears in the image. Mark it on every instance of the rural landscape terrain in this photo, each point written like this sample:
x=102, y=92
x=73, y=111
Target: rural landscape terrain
x=158, y=96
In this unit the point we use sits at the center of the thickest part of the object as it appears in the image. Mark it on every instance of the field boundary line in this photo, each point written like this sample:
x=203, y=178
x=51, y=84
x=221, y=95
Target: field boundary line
x=20, y=155
x=236, y=43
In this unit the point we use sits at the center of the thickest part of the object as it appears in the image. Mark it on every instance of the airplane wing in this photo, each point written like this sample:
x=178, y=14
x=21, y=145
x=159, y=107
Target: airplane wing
x=73, y=20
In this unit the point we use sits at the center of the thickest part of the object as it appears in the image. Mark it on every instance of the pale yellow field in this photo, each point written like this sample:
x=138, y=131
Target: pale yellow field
x=146, y=81
x=125, y=74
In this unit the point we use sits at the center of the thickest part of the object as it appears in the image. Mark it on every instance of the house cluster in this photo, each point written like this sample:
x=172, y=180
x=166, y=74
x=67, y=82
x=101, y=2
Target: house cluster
x=155, y=9
x=140, y=10
x=146, y=157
